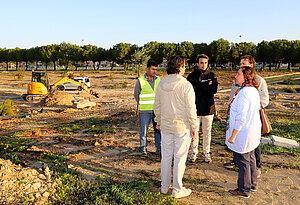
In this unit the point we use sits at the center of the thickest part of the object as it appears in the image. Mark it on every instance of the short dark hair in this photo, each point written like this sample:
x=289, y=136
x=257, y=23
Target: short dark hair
x=249, y=58
x=174, y=63
x=151, y=63
x=250, y=76
x=201, y=56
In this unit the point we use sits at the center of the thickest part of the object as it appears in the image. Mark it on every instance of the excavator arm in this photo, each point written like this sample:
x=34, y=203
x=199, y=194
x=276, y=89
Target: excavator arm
x=80, y=83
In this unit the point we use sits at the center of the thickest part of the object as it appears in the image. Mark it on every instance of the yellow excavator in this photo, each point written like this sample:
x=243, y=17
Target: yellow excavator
x=40, y=87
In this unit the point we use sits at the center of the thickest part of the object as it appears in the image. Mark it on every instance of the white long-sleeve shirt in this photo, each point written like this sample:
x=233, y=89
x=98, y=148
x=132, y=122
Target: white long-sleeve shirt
x=262, y=90
x=245, y=117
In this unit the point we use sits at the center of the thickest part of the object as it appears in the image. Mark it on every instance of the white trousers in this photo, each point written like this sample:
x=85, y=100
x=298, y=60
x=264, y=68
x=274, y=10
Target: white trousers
x=206, y=122
x=177, y=146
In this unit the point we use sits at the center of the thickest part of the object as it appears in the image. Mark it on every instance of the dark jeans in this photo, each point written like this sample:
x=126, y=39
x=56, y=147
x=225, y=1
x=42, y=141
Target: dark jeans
x=257, y=153
x=247, y=178
x=145, y=119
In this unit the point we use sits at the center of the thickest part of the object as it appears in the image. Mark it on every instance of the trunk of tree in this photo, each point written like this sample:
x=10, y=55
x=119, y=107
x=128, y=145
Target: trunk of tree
x=26, y=65
x=139, y=67
x=263, y=68
x=6, y=66
x=125, y=66
x=289, y=66
x=112, y=65
x=270, y=67
x=17, y=65
x=94, y=66
x=279, y=65
x=36, y=66
x=46, y=65
x=54, y=66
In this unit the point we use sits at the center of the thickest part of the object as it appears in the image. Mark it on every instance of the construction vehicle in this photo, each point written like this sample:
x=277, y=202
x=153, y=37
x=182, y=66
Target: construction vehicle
x=39, y=87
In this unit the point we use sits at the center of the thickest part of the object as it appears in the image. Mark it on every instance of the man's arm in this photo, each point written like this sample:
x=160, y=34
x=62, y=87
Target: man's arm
x=137, y=91
x=157, y=107
x=263, y=92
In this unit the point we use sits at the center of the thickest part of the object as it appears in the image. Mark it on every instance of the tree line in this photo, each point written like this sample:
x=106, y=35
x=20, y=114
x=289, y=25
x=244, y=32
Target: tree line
x=221, y=53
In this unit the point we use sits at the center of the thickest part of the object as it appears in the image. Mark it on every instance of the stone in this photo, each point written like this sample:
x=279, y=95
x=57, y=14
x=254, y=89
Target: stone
x=283, y=142
x=266, y=141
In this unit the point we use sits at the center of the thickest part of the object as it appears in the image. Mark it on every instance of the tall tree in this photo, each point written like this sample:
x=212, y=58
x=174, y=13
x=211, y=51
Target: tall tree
x=140, y=58
x=219, y=51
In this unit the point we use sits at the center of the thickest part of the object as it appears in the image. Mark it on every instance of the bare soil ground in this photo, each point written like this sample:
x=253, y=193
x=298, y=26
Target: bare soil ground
x=101, y=154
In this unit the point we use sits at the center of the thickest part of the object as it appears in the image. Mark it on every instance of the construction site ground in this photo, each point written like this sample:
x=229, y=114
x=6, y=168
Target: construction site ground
x=55, y=126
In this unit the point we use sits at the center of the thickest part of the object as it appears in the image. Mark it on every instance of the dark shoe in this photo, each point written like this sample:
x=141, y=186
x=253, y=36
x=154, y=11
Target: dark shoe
x=144, y=154
x=237, y=193
x=254, y=189
x=230, y=165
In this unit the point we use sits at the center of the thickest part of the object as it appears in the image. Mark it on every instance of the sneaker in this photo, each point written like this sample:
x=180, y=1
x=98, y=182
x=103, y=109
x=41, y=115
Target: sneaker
x=254, y=189
x=164, y=190
x=193, y=158
x=258, y=172
x=207, y=158
x=144, y=154
x=182, y=193
x=230, y=165
x=237, y=193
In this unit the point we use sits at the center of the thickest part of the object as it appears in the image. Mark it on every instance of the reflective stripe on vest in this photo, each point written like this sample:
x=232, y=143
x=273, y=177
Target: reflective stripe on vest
x=147, y=95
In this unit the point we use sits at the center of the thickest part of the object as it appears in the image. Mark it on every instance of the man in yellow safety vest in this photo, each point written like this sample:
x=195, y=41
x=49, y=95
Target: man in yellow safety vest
x=144, y=94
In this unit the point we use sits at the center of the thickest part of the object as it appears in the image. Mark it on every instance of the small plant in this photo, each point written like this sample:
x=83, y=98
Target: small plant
x=20, y=73
x=6, y=108
x=290, y=90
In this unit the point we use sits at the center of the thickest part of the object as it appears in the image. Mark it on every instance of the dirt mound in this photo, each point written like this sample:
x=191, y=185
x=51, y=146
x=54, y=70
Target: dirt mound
x=24, y=185
x=59, y=98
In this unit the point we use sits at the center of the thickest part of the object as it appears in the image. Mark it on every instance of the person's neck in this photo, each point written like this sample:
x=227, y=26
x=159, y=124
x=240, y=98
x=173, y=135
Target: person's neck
x=150, y=77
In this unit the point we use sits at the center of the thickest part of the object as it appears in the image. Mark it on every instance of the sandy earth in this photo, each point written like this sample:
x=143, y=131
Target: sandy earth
x=116, y=154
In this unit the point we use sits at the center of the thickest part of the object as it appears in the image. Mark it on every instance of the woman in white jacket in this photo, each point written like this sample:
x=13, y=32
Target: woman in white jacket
x=243, y=130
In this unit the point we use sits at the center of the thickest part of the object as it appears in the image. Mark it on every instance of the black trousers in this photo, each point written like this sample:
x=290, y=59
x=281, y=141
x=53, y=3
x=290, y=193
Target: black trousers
x=247, y=178
x=257, y=153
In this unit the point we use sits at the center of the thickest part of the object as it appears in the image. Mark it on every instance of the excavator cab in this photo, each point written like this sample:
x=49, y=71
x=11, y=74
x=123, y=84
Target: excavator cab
x=38, y=87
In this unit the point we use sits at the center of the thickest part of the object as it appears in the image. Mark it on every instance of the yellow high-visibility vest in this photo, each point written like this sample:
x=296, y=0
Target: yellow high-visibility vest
x=147, y=95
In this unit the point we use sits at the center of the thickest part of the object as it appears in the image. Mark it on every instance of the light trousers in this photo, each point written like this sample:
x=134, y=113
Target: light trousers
x=177, y=146
x=206, y=122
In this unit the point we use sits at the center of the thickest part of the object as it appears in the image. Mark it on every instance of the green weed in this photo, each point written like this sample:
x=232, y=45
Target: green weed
x=6, y=108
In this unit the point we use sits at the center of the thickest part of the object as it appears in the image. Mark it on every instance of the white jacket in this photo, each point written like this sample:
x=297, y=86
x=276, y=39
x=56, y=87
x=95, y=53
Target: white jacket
x=245, y=117
x=174, y=105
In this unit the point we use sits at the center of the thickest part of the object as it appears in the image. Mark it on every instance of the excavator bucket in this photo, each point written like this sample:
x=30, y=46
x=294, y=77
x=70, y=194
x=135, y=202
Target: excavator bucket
x=96, y=95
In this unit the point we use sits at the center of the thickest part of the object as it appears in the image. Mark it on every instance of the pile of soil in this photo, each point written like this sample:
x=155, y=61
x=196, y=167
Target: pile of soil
x=23, y=185
x=59, y=98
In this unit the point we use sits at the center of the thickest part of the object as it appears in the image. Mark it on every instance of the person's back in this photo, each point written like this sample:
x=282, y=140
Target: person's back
x=173, y=90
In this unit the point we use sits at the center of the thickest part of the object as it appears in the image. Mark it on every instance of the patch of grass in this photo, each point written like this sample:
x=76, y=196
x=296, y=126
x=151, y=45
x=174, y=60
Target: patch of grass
x=6, y=108
x=72, y=189
x=272, y=149
x=119, y=85
x=94, y=125
x=11, y=145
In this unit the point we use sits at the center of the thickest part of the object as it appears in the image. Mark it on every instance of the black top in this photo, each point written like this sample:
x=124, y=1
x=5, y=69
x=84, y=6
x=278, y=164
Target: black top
x=204, y=92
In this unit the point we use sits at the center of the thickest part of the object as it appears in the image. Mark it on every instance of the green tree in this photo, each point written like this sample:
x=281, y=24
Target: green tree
x=219, y=51
x=140, y=58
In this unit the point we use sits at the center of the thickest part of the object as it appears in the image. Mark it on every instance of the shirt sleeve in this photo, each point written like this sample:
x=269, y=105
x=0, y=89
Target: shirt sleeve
x=242, y=110
x=263, y=93
x=157, y=106
x=191, y=107
x=137, y=91
x=233, y=90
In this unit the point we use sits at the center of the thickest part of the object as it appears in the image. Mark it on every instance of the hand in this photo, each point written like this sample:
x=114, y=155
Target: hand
x=210, y=82
x=193, y=133
x=158, y=127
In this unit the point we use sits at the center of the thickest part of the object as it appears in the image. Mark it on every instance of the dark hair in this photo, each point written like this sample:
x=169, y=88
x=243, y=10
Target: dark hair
x=151, y=63
x=201, y=56
x=174, y=63
x=249, y=58
x=250, y=76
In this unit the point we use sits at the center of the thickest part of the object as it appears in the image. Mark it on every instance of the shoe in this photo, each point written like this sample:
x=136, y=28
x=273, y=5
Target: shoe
x=237, y=193
x=207, y=158
x=253, y=189
x=193, y=158
x=258, y=172
x=182, y=193
x=144, y=154
x=230, y=165
x=164, y=190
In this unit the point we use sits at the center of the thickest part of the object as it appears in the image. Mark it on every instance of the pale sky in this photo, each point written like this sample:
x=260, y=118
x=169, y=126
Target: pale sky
x=30, y=23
